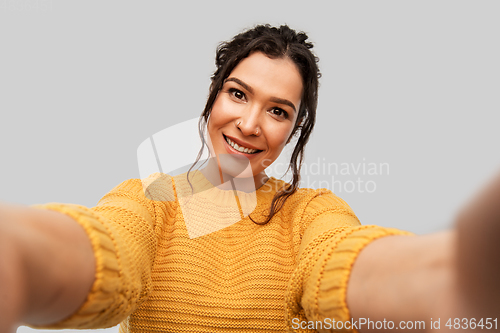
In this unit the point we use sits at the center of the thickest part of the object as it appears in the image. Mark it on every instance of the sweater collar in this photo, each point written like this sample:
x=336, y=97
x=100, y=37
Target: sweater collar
x=207, y=208
x=201, y=186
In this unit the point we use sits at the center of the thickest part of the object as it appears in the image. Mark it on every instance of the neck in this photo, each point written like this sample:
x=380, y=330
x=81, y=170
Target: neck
x=225, y=181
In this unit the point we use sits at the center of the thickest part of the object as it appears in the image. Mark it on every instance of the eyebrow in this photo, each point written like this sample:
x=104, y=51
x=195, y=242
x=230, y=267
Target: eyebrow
x=250, y=89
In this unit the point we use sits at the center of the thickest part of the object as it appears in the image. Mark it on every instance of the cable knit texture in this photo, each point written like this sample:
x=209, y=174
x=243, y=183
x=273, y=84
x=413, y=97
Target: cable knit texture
x=153, y=277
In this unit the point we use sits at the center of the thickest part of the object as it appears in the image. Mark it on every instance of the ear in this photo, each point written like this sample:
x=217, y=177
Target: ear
x=299, y=124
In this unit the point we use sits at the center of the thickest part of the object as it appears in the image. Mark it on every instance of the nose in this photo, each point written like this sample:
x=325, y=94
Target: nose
x=249, y=122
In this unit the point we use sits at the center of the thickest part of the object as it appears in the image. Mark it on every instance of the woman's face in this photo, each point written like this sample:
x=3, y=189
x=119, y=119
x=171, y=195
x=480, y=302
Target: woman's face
x=254, y=114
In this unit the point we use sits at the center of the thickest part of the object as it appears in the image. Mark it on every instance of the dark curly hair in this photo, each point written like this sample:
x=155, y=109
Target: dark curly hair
x=275, y=43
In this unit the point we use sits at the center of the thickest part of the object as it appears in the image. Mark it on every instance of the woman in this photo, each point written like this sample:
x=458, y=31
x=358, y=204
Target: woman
x=294, y=260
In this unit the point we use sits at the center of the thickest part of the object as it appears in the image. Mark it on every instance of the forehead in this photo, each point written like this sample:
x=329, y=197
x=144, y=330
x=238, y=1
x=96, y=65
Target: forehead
x=270, y=77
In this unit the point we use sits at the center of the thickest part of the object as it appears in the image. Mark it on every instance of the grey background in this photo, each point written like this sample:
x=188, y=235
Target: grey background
x=413, y=84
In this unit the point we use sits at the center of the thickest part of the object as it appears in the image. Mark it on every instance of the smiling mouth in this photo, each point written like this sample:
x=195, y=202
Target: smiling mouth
x=240, y=149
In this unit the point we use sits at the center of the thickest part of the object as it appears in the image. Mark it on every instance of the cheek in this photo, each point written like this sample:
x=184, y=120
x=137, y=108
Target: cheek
x=222, y=111
x=216, y=118
x=279, y=139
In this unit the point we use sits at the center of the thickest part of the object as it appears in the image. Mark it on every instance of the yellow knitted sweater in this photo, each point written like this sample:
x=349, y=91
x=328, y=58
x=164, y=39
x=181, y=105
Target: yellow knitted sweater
x=153, y=277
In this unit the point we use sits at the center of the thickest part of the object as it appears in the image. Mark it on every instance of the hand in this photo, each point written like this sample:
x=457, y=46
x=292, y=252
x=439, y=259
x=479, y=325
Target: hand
x=478, y=253
x=34, y=245
x=451, y=274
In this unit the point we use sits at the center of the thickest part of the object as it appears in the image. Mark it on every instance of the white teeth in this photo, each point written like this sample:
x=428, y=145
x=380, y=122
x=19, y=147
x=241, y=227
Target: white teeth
x=240, y=149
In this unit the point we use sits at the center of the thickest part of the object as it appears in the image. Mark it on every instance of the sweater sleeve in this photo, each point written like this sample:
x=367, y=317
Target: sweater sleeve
x=123, y=229
x=332, y=239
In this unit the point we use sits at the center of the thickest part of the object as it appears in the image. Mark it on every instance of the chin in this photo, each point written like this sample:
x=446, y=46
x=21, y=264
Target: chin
x=236, y=167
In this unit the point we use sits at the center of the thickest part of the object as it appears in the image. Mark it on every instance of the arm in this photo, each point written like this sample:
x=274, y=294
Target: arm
x=453, y=274
x=405, y=279
x=331, y=241
x=122, y=230
x=46, y=269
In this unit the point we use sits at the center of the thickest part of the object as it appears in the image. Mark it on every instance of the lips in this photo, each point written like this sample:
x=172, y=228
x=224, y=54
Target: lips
x=241, y=143
x=234, y=146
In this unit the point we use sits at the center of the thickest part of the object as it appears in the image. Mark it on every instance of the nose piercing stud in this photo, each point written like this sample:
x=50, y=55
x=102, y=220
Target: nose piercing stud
x=257, y=131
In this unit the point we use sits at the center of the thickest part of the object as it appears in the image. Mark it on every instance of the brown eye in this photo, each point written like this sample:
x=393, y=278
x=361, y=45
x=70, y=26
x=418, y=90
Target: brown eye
x=280, y=113
x=238, y=94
